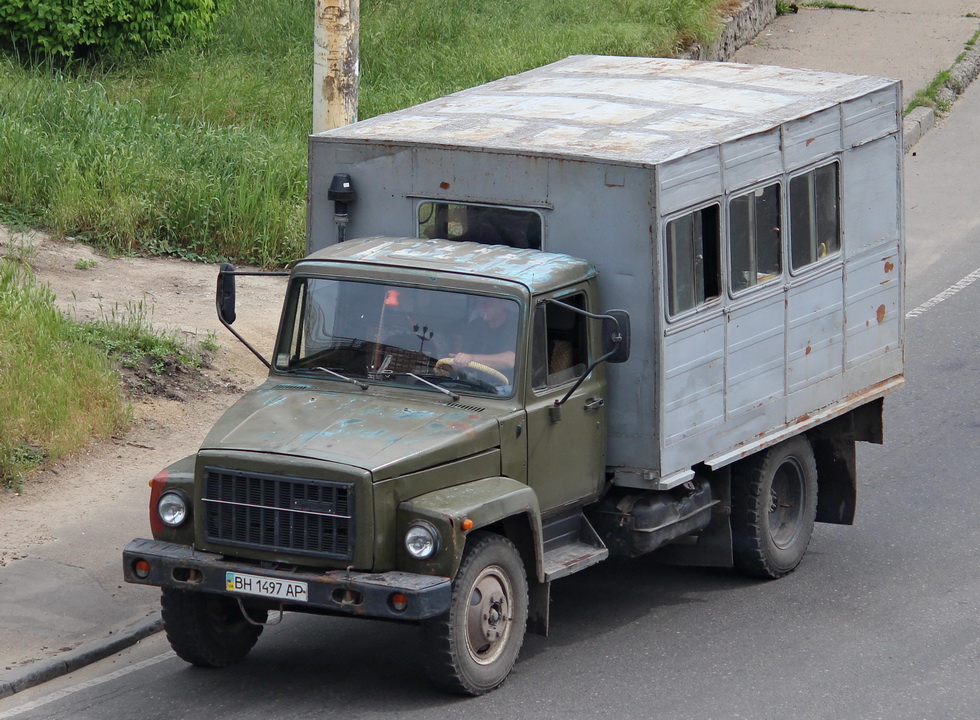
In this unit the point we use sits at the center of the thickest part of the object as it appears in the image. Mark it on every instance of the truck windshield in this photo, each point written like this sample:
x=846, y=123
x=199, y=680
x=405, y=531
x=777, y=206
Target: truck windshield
x=363, y=331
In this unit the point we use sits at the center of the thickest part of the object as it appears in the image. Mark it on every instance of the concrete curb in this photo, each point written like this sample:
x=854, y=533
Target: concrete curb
x=923, y=119
x=43, y=671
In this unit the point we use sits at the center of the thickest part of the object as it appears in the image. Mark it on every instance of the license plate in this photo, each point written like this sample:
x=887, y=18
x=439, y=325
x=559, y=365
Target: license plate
x=266, y=587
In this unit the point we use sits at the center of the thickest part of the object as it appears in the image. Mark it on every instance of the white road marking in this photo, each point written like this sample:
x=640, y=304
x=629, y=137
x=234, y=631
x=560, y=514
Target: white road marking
x=57, y=695
x=944, y=295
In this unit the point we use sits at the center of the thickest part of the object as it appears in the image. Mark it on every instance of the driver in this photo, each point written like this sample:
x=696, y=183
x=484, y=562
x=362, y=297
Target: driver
x=490, y=338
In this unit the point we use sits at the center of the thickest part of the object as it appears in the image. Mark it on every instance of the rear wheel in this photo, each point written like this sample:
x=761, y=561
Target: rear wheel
x=471, y=649
x=208, y=630
x=774, y=504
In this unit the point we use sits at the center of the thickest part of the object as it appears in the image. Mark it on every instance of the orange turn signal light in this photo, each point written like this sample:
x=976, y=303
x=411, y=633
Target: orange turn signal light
x=141, y=568
x=467, y=524
x=398, y=601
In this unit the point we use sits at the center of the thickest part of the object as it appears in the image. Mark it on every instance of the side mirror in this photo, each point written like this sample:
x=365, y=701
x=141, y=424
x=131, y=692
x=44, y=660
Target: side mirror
x=616, y=336
x=224, y=296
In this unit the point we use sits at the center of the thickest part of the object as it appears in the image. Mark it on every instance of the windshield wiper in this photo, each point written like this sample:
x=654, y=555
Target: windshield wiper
x=352, y=381
x=448, y=392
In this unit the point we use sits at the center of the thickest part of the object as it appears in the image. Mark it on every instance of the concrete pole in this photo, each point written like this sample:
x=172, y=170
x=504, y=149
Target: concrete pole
x=335, y=63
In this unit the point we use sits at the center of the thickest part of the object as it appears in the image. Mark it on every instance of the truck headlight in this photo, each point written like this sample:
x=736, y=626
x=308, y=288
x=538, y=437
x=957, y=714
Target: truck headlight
x=173, y=508
x=421, y=540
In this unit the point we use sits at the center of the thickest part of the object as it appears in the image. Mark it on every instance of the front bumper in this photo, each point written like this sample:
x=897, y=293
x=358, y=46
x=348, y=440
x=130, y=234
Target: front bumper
x=338, y=591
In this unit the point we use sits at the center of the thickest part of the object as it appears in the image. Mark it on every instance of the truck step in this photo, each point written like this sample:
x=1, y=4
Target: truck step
x=571, y=544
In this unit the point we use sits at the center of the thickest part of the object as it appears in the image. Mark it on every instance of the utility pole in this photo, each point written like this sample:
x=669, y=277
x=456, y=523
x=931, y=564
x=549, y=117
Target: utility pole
x=336, y=47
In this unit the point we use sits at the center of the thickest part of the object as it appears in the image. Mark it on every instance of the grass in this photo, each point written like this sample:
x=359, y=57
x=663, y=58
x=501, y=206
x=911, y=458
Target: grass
x=56, y=393
x=126, y=335
x=200, y=151
x=59, y=386
x=929, y=96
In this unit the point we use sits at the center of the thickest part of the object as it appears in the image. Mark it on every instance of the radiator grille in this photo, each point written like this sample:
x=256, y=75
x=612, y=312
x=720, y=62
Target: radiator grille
x=277, y=512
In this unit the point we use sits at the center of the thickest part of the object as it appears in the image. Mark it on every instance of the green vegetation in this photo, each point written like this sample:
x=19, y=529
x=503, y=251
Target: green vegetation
x=200, y=151
x=109, y=27
x=55, y=392
x=127, y=335
x=929, y=96
x=85, y=264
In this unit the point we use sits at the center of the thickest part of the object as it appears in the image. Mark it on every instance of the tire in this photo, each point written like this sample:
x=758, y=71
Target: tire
x=471, y=649
x=774, y=504
x=208, y=630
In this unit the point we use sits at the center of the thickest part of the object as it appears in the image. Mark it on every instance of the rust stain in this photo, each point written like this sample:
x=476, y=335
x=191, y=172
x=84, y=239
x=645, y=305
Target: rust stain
x=809, y=349
x=444, y=185
x=810, y=142
x=881, y=314
x=889, y=266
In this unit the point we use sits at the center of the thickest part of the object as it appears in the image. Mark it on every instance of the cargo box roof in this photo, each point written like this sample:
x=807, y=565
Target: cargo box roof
x=637, y=111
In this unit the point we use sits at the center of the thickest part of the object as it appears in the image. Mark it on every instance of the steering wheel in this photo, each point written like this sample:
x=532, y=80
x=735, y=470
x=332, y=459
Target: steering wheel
x=479, y=367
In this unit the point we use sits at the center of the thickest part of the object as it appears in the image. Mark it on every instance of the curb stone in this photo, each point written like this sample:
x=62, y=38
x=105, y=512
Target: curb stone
x=922, y=119
x=45, y=670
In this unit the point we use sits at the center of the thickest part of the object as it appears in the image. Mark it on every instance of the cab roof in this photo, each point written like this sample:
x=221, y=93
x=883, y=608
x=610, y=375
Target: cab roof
x=626, y=110
x=536, y=270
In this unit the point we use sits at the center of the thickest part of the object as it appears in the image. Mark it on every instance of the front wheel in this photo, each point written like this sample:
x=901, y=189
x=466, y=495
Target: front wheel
x=471, y=649
x=774, y=505
x=208, y=630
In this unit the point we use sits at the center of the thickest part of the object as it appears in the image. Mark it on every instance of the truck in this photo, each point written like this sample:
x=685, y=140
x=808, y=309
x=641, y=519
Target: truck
x=606, y=307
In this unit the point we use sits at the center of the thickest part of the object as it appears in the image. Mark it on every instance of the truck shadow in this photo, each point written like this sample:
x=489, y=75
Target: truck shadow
x=366, y=666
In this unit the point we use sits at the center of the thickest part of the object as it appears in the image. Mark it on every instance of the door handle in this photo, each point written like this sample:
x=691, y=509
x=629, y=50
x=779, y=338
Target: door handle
x=594, y=404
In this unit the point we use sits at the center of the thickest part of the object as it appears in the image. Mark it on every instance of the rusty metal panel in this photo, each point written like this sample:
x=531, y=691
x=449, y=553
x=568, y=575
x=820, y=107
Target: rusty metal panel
x=751, y=159
x=755, y=352
x=694, y=378
x=812, y=138
x=872, y=116
x=814, y=339
x=690, y=180
x=873, y=323
x=485, y=177
x=871, y=193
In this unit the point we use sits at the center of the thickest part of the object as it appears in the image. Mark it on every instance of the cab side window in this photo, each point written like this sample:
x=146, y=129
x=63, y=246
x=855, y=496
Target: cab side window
x=754, y=237
x=561, y=343
x=693, y=259
x=814, y=214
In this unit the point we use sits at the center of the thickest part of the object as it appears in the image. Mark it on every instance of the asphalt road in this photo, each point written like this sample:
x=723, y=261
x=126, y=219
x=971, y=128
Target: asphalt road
x=880, y=620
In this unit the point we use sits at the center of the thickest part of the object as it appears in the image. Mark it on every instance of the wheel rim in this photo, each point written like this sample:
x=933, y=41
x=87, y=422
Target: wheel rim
x=488, y=615
x=786, y=496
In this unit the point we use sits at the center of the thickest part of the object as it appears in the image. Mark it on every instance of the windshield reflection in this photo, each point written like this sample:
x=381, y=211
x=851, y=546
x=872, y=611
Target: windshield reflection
x=410, y=336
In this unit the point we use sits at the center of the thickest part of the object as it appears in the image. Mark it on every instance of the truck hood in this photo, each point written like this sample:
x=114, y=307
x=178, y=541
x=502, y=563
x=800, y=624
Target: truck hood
x=365, y=430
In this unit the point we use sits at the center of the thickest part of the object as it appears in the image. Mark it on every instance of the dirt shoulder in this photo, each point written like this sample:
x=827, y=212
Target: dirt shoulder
x=107, y=482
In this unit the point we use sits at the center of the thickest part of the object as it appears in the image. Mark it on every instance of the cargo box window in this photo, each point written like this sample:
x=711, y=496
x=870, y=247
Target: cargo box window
x=484, y=224
x=754, y=238
x=814, y=213
x=693, y=260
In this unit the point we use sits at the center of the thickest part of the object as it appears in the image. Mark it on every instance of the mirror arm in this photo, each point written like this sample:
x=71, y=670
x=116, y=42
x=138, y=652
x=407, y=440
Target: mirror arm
x=592, y=366
x=555, y=410
x=217, y=307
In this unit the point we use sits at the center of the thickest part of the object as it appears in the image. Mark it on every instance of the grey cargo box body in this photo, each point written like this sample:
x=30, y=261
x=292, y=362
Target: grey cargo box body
x=608, y=151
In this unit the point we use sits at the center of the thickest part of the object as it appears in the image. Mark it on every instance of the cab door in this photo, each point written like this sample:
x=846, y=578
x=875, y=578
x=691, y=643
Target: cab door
x=567, y=446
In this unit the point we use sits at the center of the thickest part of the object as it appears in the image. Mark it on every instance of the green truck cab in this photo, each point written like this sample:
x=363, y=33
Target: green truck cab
x=369, y=470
